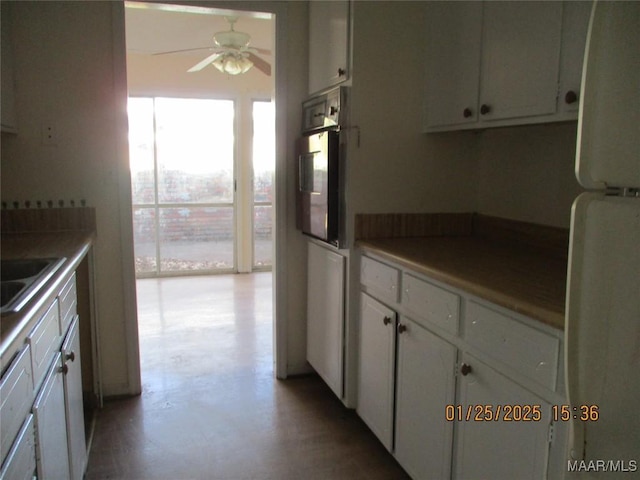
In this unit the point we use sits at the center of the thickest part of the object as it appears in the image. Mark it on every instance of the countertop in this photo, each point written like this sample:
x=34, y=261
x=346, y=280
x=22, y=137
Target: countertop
x=73, y=245
x=524, y=278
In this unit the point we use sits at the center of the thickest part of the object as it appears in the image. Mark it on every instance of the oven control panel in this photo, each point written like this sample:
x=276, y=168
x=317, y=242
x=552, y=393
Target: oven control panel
x=324, y=110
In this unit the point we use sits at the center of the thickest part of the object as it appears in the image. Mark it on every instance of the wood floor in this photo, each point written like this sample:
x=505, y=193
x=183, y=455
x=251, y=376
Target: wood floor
x=211, y=407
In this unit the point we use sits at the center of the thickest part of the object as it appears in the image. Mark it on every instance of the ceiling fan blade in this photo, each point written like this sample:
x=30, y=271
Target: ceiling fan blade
x=259, y=63
x=184, y=50
x=200, y=65
x=262, y=51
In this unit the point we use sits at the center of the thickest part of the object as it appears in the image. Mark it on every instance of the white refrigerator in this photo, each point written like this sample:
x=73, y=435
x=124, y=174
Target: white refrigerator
x=602, y=332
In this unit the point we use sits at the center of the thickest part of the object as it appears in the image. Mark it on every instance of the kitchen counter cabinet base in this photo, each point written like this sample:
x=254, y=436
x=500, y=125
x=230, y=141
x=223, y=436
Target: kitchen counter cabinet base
x=502, y=359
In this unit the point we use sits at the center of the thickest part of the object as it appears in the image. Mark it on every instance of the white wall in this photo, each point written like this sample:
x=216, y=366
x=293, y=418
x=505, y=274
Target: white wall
x=64, y=77
x=527, y=173
x=397, y=168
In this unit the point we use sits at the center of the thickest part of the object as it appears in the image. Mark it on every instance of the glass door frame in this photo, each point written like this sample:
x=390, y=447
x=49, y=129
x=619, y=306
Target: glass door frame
x=157, y=205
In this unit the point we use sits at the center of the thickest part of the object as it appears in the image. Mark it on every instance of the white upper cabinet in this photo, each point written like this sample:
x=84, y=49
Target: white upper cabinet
x=503, y=63
x=575, y=24
x=454, y=32
x=329, y=48
x=520, y=59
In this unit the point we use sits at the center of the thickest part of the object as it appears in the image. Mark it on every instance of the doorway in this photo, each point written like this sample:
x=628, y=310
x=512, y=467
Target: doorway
x=202, y=187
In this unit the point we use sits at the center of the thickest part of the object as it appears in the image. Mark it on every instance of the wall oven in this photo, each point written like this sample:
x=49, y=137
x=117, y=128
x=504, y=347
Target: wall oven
x=321, y=168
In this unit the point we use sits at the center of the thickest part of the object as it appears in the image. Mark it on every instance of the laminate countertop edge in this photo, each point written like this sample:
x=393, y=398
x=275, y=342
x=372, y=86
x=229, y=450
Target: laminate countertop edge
x=74, y=246
x=525, y=280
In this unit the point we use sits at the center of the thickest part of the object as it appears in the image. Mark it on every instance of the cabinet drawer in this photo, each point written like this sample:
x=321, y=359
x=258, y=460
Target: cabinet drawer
x=429, y=303
x=383, y=278
x=21, y=461
x=44, y=340
x=16, y=397
x=67, y=304
x=530, y=352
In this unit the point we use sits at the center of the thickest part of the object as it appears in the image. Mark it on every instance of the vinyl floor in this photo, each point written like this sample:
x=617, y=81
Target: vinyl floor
x=211, y=407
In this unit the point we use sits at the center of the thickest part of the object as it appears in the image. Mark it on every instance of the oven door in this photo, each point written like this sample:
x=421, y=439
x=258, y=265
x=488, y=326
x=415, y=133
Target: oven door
x=318, y=185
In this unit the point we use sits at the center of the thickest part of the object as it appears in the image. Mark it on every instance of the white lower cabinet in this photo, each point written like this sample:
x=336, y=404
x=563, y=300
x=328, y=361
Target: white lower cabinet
x=74, y=410
x=21, y=460
x=41, y=408
x=16, y=397
x=51, y=428
x=453, y=402
x=516, y=445
x=325, y=314
x=425, y=385
x=376, y=366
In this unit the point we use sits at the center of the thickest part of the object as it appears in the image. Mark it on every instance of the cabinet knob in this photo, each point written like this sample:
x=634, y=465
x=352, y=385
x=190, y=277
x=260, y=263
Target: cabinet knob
x=341, y=72
x=484, y=109
x=402, y=328
x=467, y=112
x=570, y=97
x=64, y=369
x=70, y=356
x=465, y=369
x=386, y=320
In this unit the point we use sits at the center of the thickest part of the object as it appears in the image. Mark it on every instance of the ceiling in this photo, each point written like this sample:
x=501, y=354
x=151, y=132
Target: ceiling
x=154, y=27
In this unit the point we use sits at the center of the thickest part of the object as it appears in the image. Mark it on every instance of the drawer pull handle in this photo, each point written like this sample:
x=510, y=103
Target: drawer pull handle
x=465, y=369
x=401, y=328
x=70, y=356
x=386, y=320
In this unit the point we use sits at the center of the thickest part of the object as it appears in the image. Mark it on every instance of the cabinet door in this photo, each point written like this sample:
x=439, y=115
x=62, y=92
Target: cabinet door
x=377, y=356
x=453, y=63
x=325, y=315
x=499, y=449
x=16, y=397
x=51, y=428
x=328, y=44
x=575, y=23
x=425, y=384
x=20, y=464
x=520, y=59
x=74, y=406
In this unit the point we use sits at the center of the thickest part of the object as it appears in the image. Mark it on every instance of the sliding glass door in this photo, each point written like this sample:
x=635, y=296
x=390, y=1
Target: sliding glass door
x=182, y=173
x=263, y=154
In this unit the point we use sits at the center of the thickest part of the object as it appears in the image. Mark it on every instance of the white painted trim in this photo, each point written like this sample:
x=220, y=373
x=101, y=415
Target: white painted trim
x=132, y=346
x=280, y=266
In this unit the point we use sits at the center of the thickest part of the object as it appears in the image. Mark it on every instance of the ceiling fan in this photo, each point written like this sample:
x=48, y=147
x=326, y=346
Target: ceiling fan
x=232, y=53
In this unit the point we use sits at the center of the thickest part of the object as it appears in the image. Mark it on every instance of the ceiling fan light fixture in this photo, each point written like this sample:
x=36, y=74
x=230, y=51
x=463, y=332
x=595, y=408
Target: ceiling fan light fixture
x=232, y=63
x=231, y=39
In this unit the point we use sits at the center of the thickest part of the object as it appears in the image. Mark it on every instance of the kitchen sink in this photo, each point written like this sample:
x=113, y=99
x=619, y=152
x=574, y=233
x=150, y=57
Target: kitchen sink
x=21, y=279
